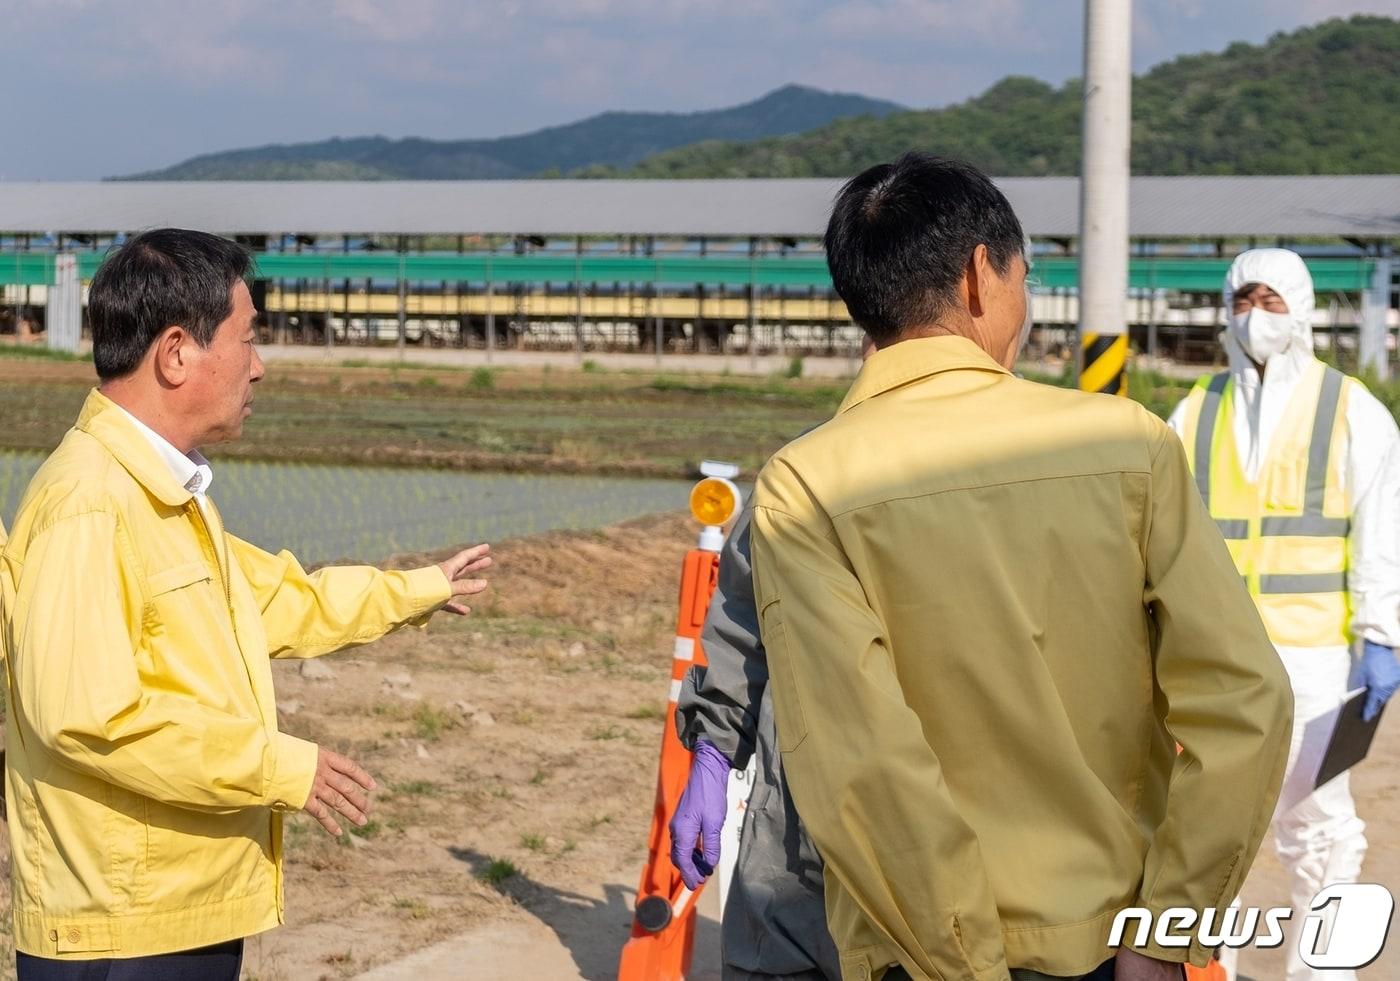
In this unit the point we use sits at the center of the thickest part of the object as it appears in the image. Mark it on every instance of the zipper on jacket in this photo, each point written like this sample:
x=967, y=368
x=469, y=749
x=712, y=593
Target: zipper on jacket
x=225, y=577
x=218, y=562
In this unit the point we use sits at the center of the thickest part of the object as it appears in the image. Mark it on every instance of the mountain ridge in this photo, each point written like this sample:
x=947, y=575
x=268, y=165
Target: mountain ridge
x=614, y=138
x=1319, y=100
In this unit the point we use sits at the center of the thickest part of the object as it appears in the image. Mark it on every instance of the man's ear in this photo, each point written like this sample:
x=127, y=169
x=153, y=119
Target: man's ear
x=172, y=356
x=979, y=267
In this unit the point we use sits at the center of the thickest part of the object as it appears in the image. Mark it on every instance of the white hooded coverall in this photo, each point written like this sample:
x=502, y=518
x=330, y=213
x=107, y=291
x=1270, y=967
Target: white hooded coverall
x=1318, y=836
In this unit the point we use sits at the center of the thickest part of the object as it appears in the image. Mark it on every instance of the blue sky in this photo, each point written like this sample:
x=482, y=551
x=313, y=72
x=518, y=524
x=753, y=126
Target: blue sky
x=93, y=88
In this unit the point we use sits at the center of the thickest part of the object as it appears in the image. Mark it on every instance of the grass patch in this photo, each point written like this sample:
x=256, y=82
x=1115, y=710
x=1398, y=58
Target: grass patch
x=539, y=778
x=26, y=353
x=370, y=829
x=534, y=843
x=482, y=379
x=779, y=389
x=646, y=712
x=606, y=733
x=415, y=908
x=429, y=722
x=417, y=788
x=591, y=367
x=498, y=871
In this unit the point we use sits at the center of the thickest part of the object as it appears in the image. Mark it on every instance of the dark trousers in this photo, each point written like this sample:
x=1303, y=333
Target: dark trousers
x=1104, y=972
x=218, y=963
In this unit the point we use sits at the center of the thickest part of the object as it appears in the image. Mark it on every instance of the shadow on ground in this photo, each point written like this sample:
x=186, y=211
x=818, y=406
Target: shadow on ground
x=587, y=926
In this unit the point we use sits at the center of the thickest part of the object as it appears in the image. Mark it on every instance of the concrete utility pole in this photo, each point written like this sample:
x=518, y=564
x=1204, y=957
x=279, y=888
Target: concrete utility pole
x=1375, y=305
x=1103, y=196
x=64, y=317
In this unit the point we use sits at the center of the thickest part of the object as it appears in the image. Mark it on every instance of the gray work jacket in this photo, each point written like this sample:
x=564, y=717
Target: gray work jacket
x=775, y=916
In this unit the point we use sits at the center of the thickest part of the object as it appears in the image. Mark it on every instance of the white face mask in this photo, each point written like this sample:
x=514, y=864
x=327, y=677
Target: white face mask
x=1262, y=334
x=1026, y=325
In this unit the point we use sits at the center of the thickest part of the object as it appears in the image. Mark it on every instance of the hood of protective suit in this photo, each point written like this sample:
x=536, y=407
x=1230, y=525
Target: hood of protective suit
x=1287, y=275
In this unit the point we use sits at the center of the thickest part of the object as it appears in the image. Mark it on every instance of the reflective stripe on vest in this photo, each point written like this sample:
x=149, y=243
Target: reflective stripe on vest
x=1292, y=553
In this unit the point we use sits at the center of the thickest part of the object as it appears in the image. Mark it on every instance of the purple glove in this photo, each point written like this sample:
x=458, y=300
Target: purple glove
x=1380, y=673
x=700, y=816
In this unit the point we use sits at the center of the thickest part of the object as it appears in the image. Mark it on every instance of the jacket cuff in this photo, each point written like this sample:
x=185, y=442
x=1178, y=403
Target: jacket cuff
x=426, y=590
x=1194, y=953
x=293, y=772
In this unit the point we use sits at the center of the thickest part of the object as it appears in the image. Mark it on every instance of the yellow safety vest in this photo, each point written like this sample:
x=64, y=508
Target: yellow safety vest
x=1288, y=529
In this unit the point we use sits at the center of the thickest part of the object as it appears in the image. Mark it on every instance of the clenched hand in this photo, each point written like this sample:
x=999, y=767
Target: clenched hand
x=459, y=571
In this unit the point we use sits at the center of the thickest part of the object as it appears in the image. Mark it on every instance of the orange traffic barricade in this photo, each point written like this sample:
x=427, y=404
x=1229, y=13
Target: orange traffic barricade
x=663, y=925
x=1214, y=971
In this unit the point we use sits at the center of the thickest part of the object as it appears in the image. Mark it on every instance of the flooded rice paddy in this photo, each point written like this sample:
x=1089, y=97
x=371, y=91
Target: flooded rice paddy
x=328, y=513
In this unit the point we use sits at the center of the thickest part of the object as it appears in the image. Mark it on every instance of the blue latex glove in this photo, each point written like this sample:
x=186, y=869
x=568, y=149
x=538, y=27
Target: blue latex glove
x=1380, y=673
x=699, y=816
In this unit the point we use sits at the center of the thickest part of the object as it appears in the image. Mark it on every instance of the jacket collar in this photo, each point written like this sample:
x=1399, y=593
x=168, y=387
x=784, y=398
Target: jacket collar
x=105, y=422
x=907, y=361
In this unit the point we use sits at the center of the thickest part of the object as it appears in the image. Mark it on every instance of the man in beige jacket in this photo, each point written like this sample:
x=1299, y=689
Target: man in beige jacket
x=992, y=611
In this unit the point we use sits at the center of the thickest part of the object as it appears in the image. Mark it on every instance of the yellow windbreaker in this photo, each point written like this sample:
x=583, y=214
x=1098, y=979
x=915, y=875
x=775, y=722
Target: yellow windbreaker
x=992, y=609
x=146, y=771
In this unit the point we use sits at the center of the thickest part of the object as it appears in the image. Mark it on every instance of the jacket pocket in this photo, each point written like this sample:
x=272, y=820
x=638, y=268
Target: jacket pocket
x=175, y=595
x=787, y=703
x=178, y=577
x=858, y=964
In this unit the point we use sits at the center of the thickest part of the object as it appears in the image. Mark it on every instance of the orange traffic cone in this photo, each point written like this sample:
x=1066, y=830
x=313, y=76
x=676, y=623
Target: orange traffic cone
x=663, y=927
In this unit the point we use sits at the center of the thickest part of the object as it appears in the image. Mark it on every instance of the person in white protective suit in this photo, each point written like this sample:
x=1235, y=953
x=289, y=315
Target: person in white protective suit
x=1300, y=467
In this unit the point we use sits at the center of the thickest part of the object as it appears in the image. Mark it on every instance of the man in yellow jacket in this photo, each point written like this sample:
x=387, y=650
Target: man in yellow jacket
x=992, y=609
x=147, y=779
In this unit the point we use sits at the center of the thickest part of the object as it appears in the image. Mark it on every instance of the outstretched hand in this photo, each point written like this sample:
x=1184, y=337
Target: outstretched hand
x=460, y=571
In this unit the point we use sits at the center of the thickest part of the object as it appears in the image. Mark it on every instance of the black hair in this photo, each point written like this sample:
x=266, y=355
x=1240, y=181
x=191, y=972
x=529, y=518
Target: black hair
x=160, y=278
x=901, y=235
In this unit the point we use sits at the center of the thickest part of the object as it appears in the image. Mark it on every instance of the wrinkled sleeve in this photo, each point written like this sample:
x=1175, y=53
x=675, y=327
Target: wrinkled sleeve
x=1228, y=699
x=79, y=694
x=719, y=703
x=308, y=614
x=866, y=782
x=1373, y=471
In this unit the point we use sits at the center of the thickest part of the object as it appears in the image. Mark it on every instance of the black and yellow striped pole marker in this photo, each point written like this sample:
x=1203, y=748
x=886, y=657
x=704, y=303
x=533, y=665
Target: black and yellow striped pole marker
x=1103, y=196
x=1104, y=365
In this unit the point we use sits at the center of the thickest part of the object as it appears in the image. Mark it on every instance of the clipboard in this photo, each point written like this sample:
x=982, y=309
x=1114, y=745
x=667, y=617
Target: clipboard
x=1351, y=739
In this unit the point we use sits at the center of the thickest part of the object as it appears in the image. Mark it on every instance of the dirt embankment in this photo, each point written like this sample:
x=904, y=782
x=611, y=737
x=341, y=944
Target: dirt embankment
x=516, y=752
